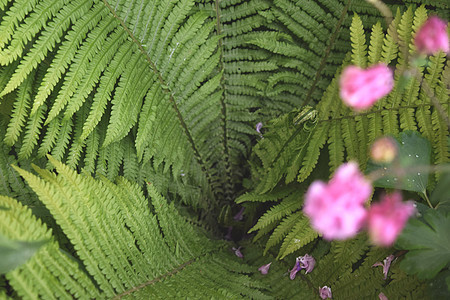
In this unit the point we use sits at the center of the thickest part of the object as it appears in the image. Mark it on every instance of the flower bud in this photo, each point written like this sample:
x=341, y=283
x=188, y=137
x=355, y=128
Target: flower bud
x=384, y=150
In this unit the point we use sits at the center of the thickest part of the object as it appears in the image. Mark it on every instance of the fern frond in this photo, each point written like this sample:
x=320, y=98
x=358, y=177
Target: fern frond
x=50, y=265
x=288, y=205
x=286, y=226
x=20, y=111
x=124, y=247
x=300, y=235
x=376, y=44
x=358, y=39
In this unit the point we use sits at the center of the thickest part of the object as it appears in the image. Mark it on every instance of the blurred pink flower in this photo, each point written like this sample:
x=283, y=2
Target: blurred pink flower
x=432, y=37
x=336, y=209
x=382, y=296
x=360, y=89
x=387, y=218
x=384, y=150
x=264, y=269
x=325, y=293
x=386, y=264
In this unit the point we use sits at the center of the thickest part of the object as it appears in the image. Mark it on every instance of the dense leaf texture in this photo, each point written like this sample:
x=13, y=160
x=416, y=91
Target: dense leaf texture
x=168, y=93
x=287, y=153
x=124, y=248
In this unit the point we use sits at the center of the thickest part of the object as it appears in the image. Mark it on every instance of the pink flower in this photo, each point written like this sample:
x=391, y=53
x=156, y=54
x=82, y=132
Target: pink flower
x=296, y=268
x=264, y=269
x=306, y=262
x=432, y=37
x=360, y=89
x=325, y=293
x=387, y=218
x=336, y=209
x=386, y=264
x=382, y=296
x=384, y=150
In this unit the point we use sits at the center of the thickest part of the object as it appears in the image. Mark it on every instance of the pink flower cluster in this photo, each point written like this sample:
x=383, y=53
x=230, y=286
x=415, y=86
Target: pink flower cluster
x=432, y=37
x=386, y=219
x=360, y=89
x=337, y=210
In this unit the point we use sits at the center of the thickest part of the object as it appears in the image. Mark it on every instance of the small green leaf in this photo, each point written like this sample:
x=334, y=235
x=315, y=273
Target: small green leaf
x=440, y=198
x=428, y=242
x=414, y=151
x=14, y=253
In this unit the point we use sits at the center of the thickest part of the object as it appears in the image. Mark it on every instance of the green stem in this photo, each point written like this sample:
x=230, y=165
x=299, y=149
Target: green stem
x=424, y=193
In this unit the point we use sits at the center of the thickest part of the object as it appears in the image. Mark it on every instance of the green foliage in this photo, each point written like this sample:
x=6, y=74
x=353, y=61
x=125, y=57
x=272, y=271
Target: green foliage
x=428, y=243
x=166, y=94
x=287, y=152
x=15, y=253
x=112, y=240
x=413, y=152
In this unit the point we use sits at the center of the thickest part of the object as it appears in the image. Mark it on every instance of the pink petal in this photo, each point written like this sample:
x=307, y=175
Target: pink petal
x=387, y=218
x=264, y=269
x=360, y=89
x=432, y=37
x=336, y=210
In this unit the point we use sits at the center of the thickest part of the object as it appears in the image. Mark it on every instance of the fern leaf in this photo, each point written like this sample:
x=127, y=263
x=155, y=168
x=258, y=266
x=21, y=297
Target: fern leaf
x=288, y=205
x=41, y=13
x=358, y=42
x=312, y=153
x=282, y=230
x=124, y=114
x=405, y=34
x=336, y=146
x=67, y=53
x=20, y=111
x=390, y=46
x=301, y=234
x=376, y=44
x=350, y=138
x=45, y=42
x=50, y=265
x=31, y=136
x=79, y=68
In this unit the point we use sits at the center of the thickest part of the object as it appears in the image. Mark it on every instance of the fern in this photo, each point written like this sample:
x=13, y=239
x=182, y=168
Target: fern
x=166, y=94
x=389, y=116
x=112, y=240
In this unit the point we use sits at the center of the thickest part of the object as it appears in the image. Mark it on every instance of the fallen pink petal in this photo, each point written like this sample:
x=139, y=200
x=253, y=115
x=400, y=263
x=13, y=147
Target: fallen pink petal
x=237, y=252
x=239, y=216
x=307, y=262
x=387, y=218
x=386, y=265
x=325, y=293
x=432, y=37
x=382, y=296
x=360, y=89
x=336, y=210
x=264, y=269
x=297, y=267
x=258, y=127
